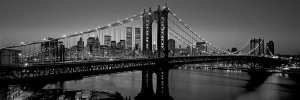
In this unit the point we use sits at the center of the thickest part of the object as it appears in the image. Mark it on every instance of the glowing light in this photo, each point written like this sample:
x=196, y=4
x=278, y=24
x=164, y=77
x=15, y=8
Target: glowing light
x=64, y=35
x=26, y=64
x=179, y=19
x=22, y=43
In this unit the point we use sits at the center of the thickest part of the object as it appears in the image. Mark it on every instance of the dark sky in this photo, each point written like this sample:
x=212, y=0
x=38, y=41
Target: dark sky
x=225, y=23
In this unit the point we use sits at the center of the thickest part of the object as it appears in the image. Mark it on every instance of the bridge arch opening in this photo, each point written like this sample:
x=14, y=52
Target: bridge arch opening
x=154, y=80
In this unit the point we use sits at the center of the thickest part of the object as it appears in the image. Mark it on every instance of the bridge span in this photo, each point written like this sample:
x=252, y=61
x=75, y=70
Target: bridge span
x=62, y=57
x=119, y=65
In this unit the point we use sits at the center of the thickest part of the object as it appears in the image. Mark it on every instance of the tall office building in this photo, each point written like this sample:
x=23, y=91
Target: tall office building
x=171, y=44
x=93, y=44
x=122, y=44
x=270, y=48
x=154, y=46
x=52, y=49
x=138, y=42
x=107, y=40
x=113, y=44
x=80, y=45
x=128, y=37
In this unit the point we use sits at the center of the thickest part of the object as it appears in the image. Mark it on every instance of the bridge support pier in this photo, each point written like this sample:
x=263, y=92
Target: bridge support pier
x=162, y=89
x=147, y=86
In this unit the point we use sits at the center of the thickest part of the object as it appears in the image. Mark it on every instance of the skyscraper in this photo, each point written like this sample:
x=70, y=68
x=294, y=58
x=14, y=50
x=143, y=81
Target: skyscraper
x=122, y=44
x=80, y=45
x=270, y=48
x=113, y=44
x=90, y=45
x=154, y=46
x=138, y=38
x=107, y=40
x=128, y=37
x=171, y=44
x=52, y=48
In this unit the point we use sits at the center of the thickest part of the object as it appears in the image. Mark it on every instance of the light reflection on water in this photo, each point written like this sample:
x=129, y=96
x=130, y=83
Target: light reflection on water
x=195, y=84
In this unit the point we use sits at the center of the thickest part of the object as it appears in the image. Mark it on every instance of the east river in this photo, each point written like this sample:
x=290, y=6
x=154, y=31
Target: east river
x=195, y=84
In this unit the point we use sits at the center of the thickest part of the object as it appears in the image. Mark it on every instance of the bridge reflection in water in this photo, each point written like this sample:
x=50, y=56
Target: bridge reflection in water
x=57, y=58
x=255, y=80
x=162, y=88
x=160, y=68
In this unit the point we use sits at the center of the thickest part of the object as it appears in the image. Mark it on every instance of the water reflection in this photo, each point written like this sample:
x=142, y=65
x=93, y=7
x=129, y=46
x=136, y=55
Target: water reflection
x=191, y=84
x=256, y=80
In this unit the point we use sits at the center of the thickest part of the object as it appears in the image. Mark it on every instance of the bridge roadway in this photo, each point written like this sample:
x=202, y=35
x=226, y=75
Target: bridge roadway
x=116, y=65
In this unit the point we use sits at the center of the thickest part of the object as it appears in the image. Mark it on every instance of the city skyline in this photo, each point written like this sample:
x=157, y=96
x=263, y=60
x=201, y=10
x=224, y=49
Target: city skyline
x=149, y=49
x=225, y=24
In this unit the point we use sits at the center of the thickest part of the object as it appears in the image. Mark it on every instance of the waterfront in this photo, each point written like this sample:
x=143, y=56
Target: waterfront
x=194, y=85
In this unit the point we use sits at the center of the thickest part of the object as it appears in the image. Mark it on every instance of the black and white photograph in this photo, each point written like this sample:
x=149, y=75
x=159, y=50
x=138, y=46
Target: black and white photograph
x=149, y=50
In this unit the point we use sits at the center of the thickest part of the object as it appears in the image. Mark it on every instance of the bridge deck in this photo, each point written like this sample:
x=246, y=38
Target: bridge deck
x=115, y=65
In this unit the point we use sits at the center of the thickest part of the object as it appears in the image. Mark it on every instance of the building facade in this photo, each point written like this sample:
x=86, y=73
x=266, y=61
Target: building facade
x=154, y=46
x=52, y=50
x=171, y=44
x=113, y=44
x=122, y=44
x=80, y=45
x=138, y=42
x=129, y=38
x=9, y=57
x=107, y=40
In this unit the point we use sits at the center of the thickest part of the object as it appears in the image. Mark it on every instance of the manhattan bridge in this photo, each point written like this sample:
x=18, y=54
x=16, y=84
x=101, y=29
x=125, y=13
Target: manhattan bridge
x=153, y=52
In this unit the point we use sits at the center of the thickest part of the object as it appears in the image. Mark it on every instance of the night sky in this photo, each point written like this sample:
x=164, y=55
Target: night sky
x=225, y=23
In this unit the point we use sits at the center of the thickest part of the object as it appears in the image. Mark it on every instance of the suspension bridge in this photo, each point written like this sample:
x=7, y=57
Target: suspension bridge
x=114, y=48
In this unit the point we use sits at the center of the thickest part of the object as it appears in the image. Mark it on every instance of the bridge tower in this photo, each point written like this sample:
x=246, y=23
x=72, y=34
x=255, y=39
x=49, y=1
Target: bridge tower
x=257, y=42
x=161, y=69
x=160, y=16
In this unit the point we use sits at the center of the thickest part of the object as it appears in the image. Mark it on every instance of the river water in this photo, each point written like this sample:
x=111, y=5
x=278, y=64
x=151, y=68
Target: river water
x=196, y=84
